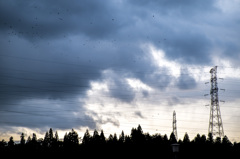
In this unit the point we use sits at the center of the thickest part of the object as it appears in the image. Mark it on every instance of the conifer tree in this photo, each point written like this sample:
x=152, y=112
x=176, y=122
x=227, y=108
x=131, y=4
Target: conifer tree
x=102, y=138
x=137, y=135
x=34, y=138
x=210, y=138
x=225, y=141
x=197, y=139
x=95, y=137
x=74, y=137
x=110, y=139
x=29, y=140
x=46, y=140
x=186, y=138
x=173, y=138
x=86, y=138
x=11, y=142
x=50, y=137
x=165, y=139
x=121, y=138
x=22, y=139
x=115, y=140
x=203, y=139
x=56, y=138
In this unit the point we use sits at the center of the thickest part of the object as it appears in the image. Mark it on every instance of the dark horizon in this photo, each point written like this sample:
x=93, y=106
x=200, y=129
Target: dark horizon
x=138, y=140
x=92, y=65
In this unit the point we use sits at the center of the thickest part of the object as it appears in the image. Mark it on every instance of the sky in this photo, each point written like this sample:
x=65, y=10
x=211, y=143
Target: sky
x=89, y=64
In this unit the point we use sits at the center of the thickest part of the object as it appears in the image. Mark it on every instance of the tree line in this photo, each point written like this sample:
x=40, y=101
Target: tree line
x=137, y=142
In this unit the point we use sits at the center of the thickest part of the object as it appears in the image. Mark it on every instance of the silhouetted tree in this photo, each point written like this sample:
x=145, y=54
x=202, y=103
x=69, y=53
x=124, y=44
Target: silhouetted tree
x=148, y=138
x=40, y=141
x=50, y=140
x=157, y=139
x=34, y=138
x=121, y=138
x=96, y=137
x=218, y=140
x=203, y=139
x=197, y=139
x=128, y=140
x=29, y=140
x=22, y=139
x=137, y=135
x=115, y=140
x=32, y=143
x=186, y=138
x=55, y=142
x=102, y=138
x=110, y=139
x=144, y=143
x=11, y=142
x=225, y=141
x=50, y=135
x=46, y=140
x=210, y=138
x=65, y=140
x=73, y=138
x=173, y=138
x=56, y=138
x=3, y=143
x=165, y=139
x=86, y=138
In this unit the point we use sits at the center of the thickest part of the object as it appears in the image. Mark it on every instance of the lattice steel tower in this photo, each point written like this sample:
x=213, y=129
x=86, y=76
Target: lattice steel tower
x=215, y=120
x=175, y=124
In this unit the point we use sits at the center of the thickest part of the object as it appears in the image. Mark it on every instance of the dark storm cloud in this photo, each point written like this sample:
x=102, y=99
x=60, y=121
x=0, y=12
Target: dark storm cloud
x=48, y=19
x=194, y=47
x=39, y=116
x=167, y=24
x=188, y=30
x=47, y=78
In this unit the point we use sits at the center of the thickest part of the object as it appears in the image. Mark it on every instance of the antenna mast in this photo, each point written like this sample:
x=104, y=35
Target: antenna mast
x=215, y=120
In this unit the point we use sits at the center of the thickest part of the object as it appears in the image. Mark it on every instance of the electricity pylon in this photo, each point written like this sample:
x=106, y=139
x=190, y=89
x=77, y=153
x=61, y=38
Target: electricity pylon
x=215, y=120
x=175, y=125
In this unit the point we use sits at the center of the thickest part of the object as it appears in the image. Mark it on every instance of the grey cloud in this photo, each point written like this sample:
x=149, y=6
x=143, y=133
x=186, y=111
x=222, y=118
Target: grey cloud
x=118, y=86
x=139, y=114
x=107, y=118
x=111, y=120
x=173, y=100
x=185, y=81
x=173, y=6
x=145, y=93
x=158, y=79
x=194, y=47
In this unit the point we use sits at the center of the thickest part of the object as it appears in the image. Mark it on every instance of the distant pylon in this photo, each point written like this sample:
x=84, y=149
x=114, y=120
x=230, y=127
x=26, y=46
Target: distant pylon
x=174, y=124
x=215, y=119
